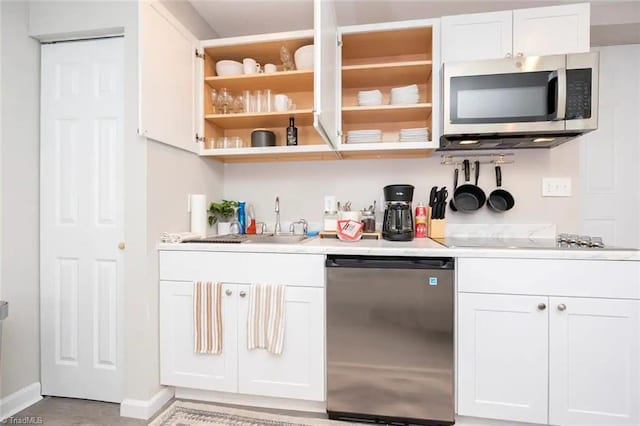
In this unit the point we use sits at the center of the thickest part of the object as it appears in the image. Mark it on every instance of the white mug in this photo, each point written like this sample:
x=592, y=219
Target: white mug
x=281, y=102
x=250, y=66
x=270, y=68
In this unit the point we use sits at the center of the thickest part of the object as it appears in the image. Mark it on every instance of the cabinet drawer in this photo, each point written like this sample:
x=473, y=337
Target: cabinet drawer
x=304, y=270
x=581, y=278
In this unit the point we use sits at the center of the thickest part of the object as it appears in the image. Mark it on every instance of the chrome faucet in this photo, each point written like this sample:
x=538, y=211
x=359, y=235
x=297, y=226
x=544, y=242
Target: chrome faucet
x=277, y=228
x=304, y=223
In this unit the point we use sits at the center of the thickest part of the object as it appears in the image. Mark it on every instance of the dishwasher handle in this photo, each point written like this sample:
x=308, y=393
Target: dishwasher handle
x=390, y=262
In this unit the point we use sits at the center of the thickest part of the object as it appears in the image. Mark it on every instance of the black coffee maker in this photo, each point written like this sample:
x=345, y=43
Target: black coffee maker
x=398, y=217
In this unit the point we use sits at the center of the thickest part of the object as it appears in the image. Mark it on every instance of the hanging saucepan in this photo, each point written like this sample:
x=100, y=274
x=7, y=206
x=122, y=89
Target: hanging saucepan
x=452, y=206
x=500, y=200
x=468, y=197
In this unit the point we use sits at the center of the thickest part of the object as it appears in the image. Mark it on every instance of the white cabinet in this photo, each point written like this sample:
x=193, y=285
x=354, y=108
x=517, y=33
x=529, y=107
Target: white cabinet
x=503, y=354
x=594, y=361
x=298, y=372
x=538, y=31
x=477, y=36
x=169, y=70
x=549, y=341
x=551, y=30
x=179, y=364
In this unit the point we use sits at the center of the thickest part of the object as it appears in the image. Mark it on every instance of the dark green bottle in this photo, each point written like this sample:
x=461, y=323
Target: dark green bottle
x=292, y=133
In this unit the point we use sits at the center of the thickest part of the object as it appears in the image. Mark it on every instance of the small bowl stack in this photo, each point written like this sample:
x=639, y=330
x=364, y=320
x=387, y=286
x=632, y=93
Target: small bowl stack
x=406, y=95
x=369, y=98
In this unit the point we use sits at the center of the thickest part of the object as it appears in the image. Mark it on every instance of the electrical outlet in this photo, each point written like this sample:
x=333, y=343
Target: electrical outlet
x=556, y=187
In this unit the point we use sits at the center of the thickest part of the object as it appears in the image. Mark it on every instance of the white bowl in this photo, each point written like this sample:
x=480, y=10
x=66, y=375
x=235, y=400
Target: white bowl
x=228, y=67
x=304, y=57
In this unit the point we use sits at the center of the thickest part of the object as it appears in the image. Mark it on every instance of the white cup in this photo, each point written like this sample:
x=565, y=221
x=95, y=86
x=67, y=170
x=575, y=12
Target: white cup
x=250, y=66
x=270, y=68
x=281, y=102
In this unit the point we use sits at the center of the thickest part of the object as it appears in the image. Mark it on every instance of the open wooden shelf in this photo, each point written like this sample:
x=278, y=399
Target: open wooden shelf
x=272, y=153
x=303, y=117
x=386, y=74
x=281, y=81
x=386, y=113
x=386, y=150
x=372, y=47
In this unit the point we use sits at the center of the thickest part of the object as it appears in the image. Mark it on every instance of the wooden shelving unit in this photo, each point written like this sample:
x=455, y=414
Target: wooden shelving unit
x=275, y=153
x=279, y=82
x=385, y=150
x=385, y=74
x=386, y=113
x=261, y=120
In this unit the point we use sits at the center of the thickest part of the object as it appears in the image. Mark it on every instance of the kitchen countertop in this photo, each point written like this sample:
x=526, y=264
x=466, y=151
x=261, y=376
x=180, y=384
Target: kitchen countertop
x=418, y=247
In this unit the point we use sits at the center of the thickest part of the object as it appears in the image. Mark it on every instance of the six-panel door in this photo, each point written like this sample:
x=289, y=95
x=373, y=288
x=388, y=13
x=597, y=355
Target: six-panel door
x=594, y=361
x=502, y=357
x=299, y=372
x=180, y=365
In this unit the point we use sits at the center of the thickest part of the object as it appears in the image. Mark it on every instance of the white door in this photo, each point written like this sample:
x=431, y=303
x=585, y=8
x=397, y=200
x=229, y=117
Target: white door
x=594, y=361
x=299, y=371
x=169, y=76
x=552, y=30
x=476, y=36
x=179, y=364
x=81, y=215
x=502, y=357
x=609, y=175
x=326, y=72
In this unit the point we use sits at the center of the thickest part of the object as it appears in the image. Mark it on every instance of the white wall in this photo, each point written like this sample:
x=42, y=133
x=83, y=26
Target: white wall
x=20, y=361
x=302, y=185
x=184, y=12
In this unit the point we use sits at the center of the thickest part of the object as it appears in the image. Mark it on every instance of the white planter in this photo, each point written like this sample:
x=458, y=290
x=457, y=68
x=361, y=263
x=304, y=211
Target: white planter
x=224, y=228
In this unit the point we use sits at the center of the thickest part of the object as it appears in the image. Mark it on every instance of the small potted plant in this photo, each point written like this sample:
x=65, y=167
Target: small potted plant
x=222, y=213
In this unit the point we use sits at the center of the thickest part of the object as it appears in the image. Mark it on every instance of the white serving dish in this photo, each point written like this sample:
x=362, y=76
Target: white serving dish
x=228, y=67
x=304, y=57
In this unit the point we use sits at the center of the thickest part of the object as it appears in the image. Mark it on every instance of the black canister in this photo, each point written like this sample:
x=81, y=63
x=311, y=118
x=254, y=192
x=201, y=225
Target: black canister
x=263, y=137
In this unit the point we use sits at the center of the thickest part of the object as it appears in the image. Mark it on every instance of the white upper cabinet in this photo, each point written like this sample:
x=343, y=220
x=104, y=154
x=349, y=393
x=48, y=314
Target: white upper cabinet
x=169, y=70
x=594, y=361
x=477, y=36
x=326, y=72
x=551, y=30
x=539, y=31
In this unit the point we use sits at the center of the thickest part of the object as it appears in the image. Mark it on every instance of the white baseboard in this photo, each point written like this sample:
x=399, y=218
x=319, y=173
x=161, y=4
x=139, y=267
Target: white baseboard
x=18, y=401
x=145, y=409
x=252, y=400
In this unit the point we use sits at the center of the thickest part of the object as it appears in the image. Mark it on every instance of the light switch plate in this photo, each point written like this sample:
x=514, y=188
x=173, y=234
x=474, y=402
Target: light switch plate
x=556, y=187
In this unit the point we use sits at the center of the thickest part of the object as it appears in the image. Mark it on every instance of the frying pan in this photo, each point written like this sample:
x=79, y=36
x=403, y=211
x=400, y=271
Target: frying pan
x=452, y=206
x=500, y=200
x=468, y=197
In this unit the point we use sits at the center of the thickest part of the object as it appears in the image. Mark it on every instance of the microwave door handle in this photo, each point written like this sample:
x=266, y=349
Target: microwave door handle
x=561, y=106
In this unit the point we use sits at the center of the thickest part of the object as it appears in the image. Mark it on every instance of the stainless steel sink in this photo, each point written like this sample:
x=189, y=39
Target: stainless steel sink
x=282, y=238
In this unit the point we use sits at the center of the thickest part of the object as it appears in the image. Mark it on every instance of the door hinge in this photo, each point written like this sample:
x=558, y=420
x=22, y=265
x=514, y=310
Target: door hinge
x=199, y=138
x=200, y=55
x=339, y=43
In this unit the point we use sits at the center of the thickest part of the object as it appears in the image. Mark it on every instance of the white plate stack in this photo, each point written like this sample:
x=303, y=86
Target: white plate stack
x=369, y=98
x=419, y=134
x=406, y=95
x=364, y=136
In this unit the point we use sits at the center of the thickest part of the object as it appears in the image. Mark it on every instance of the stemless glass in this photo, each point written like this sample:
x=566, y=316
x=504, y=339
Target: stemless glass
x=258, y=98
x=225, y=101
x=246, y=101
x=267, y=103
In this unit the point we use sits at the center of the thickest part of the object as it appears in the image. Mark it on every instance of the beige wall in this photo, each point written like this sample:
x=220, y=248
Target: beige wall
x=20, y=360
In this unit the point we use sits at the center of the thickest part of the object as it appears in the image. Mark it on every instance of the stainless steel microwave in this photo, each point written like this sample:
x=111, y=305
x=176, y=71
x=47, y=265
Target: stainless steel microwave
x=522, y=102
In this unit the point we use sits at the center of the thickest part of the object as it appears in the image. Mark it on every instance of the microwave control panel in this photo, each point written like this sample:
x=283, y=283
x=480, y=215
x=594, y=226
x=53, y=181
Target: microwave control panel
x=578, y=94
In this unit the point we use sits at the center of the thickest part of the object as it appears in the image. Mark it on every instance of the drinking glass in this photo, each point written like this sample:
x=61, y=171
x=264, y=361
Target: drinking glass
x=267, y=103
x=258, y=101
x=225, y=101
x=238, y=105
x=213, y=93
x=234, y=227
x=246, y=101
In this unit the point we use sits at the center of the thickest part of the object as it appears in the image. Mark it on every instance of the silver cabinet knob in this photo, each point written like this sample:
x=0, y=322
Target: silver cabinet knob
x=542, y=306
x=508, y=55
x=562, y=307
x=243, y=294
x=228, y=292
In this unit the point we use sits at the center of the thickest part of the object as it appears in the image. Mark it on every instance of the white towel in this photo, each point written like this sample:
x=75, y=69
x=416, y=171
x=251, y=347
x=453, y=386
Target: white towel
x=207, y=318
x=178, y=237
x=265, y=322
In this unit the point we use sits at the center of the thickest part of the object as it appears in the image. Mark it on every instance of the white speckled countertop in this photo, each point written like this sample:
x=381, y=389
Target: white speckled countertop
x=418, y=247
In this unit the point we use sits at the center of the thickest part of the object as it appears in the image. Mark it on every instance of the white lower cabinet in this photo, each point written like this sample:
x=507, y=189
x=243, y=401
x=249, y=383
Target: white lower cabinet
x=503, y=357
x=594, y=361
x=297, y=373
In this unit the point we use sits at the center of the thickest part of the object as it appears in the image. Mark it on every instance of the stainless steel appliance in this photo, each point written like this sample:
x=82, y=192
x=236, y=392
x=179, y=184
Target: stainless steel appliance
x=397, y=224
x=390, y=339
x=522, y=102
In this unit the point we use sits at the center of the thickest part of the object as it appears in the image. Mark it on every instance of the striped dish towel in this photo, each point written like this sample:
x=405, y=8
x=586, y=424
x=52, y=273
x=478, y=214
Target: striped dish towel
x=265, y=322
x=207, y=318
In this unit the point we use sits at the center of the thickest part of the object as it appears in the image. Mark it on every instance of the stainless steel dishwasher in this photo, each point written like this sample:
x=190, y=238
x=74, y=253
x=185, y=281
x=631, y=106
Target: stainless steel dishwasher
x=390, y=352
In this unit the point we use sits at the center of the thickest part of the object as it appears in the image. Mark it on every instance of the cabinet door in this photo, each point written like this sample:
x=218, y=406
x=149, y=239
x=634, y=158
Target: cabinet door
x=502, y=357
x=299, y=371
x=594, y=361
x=179, y=364
x=169, y=69
x=326, y=72
x=551, y=30
x=476, y=36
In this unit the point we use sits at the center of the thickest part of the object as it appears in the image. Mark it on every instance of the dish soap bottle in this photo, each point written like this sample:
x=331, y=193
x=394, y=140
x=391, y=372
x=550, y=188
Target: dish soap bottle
x=292, y=133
